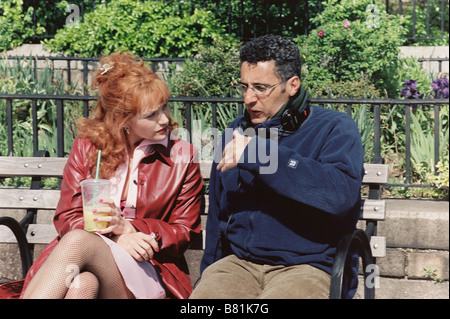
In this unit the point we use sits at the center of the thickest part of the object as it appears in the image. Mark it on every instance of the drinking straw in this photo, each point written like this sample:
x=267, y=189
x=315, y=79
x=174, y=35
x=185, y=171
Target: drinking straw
x=97, y=170
x=99, y=156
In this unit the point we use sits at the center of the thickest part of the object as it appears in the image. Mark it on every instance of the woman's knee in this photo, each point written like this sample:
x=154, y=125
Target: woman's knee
x=76, y=236
x=83, y=286
x=78, y=242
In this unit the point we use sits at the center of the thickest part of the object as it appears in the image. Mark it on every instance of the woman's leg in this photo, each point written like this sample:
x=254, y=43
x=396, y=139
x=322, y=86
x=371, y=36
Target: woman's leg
x=76, y=253
x=90, y=287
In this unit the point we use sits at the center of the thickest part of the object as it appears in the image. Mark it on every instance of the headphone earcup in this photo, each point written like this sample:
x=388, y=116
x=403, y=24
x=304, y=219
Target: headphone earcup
x=291, y=120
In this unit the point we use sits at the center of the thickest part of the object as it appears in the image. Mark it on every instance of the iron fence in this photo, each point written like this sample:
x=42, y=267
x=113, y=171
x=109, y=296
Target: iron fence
x=71, y=63
x=86, y=66
x=190, y=102
x=425, y=14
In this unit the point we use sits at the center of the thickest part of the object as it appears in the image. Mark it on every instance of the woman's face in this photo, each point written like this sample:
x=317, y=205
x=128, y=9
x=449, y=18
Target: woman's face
x=152, y=124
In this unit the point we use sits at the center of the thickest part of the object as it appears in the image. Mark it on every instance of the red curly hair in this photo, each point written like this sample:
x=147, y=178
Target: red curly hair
x=122, y=83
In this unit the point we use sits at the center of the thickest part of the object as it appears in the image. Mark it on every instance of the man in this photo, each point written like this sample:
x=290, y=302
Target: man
x=273, y=233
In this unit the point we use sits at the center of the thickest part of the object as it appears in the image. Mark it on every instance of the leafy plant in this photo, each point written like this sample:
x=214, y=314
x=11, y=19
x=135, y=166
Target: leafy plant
x=432, y=274
x=423, y=169
x=441, y=179
x=20, y=78
x=427, y=11
x=15, y=25
x=351, y=40
x=406, y=68
x=213, y=72
x=145, y=28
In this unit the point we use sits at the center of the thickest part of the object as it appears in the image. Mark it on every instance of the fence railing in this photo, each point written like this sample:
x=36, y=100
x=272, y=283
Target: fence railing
x=425, y=14
x=68, y=64
x=189, y=102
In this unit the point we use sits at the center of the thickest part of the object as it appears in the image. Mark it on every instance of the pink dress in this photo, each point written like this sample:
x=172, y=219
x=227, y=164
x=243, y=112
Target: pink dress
x=140, y=277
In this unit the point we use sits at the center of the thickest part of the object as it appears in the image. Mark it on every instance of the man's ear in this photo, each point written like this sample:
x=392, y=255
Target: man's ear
x=293, y=85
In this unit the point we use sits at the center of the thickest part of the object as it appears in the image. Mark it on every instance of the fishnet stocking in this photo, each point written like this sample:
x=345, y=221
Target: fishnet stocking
x=90, y=287
x=80, y=266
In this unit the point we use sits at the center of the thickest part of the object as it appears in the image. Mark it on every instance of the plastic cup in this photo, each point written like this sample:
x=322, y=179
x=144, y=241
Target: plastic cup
x=92, y=191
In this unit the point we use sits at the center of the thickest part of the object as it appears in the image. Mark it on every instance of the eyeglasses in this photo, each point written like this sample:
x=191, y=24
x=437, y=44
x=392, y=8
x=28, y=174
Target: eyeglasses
x=257, y=89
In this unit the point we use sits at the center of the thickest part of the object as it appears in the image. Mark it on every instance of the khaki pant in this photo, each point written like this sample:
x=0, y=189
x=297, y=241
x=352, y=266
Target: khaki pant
x=233, y=278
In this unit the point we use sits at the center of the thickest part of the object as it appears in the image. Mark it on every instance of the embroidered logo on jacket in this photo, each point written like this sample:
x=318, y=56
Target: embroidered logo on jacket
x=292, y=163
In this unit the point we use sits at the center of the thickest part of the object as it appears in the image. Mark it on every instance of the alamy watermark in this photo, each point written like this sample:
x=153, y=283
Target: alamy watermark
x=263, y=152
x=373, y=276
x=73, y=280
x=373, y=20
x=74, y=15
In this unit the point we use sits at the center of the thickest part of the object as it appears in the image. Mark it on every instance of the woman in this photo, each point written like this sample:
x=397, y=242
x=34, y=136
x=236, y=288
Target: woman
x=155, y=197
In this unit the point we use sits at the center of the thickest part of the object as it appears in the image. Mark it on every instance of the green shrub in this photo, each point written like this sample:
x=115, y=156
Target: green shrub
x=441, y=180
x=15, y=25
x=351, y=42
x=147, y=29
x=421, y=16
x=213, y=72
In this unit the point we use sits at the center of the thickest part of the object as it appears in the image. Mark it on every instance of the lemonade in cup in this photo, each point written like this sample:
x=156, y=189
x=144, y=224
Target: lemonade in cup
x=92, y=191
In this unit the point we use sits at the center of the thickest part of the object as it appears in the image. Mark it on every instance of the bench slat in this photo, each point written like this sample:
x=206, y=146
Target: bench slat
x=376, y=174
x=29, y=198
x=41, y=233
x=205, y=169
x=32, y=166
x=378, y=246
x=373, y=209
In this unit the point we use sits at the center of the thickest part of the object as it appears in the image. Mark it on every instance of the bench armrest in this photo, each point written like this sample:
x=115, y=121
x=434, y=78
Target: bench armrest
x=358, y=240
x=25, y=253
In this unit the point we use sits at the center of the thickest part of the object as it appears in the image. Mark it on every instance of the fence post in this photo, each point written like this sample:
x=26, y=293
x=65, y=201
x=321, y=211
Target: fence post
x=60, y=127
x=34, y=125
x=376, y=159
x=436, y=137
x=407, y=144
x=10, y=127
x=188, y=119
x=214, y=115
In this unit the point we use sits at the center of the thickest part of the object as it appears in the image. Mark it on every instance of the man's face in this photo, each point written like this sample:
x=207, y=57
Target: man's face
x=262, y=74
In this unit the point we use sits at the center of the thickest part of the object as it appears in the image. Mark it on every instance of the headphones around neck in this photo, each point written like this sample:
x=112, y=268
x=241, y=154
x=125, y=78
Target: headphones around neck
x=292, y=119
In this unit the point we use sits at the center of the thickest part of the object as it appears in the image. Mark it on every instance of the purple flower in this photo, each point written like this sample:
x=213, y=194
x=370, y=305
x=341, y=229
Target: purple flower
x=321, y=33
x=410, y=91
x=440, y=88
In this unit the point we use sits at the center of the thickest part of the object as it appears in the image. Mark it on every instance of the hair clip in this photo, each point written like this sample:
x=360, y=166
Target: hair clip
x=105, y=68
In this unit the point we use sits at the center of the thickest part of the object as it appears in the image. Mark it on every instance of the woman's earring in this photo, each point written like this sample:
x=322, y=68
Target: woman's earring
x=127, y=129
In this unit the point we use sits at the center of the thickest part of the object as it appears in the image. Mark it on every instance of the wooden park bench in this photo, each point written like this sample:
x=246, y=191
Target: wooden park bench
x=36, y=200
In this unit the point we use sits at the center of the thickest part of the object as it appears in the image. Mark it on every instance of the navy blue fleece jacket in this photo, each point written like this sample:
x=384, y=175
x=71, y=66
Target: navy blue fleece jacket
x=295, y=211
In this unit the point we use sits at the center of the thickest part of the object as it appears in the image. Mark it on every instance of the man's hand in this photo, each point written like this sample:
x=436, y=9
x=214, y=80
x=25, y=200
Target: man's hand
x=233, y=151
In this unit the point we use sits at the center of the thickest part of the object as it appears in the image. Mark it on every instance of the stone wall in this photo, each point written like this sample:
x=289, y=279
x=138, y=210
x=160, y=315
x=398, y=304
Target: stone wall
x=429, y=52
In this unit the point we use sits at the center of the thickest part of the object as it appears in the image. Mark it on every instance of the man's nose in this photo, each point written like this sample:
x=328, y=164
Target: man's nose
x=249, y=96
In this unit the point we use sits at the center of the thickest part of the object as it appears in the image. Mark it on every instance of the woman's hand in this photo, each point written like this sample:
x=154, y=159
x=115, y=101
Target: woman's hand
x=139, y=245
x=117, y=225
